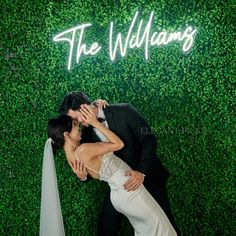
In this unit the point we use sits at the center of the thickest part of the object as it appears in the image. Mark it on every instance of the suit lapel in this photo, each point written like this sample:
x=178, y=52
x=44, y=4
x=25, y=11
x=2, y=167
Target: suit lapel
x=110, y=118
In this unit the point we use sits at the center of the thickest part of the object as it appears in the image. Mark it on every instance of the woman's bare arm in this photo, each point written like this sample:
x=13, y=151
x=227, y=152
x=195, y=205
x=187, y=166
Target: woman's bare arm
x=96, y=149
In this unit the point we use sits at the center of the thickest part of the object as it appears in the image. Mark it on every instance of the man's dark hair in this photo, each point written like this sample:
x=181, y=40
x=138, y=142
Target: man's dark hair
x=73, y=101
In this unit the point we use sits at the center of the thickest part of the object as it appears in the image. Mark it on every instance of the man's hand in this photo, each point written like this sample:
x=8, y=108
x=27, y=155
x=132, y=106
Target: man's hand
x=79, y=169
x=100, y=103
x=135, y=180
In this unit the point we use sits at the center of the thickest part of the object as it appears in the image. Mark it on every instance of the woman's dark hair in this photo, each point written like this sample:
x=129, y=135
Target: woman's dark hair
x=73, y=101
x=56, y=127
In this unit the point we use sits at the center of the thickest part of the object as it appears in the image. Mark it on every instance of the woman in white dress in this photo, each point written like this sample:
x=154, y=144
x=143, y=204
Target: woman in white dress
x=143, y=212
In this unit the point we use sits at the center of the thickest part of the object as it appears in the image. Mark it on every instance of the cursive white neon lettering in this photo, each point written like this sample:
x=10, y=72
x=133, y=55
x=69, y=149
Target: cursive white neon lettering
x=81, y=47
x=119, y=44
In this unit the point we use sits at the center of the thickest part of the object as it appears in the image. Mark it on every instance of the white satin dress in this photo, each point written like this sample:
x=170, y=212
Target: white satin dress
x=143, y=212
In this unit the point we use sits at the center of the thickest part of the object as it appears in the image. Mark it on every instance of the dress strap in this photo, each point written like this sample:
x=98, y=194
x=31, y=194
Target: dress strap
x=85, y=165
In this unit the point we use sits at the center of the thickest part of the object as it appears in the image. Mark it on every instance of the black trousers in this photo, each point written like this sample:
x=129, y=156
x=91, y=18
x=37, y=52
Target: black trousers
x=110, y=220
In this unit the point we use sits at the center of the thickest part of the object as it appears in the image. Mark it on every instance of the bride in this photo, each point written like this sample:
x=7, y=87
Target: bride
x=143, y=212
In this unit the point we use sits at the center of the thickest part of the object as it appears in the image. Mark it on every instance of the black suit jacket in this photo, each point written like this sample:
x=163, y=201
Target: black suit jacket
x=139, y=150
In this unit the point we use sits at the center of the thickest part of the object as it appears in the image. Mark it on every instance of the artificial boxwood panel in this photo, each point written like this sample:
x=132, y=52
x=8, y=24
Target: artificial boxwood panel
x=188, y=99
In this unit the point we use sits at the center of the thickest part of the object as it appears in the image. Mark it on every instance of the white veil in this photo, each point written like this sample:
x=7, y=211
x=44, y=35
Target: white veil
x=51, y=221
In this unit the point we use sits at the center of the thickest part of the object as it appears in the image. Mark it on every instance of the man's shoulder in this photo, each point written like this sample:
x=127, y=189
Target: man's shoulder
x=120, y=106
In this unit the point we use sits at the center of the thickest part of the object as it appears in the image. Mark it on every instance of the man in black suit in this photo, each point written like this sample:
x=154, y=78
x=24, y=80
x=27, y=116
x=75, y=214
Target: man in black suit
x=139, y=152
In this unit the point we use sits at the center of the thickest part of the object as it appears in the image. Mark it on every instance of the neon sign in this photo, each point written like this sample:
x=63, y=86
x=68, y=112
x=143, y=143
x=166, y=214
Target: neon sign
x=120, y=44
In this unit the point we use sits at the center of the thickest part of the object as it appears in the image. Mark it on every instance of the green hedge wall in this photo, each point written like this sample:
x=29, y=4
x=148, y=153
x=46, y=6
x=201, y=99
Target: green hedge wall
x=188, y=99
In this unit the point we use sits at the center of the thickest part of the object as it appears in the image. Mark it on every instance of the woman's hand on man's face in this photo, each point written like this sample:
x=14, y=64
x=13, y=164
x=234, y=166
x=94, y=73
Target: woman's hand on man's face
x=88, y=115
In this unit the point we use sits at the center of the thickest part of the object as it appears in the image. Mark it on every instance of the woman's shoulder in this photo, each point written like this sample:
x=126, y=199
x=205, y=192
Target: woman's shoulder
x=86, y=147
x=83, y=147
x=85, y=151
x=82, y=152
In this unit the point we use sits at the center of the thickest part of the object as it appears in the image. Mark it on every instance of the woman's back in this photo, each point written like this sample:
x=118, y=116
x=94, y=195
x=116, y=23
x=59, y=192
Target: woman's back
x=99, y=167
x=93, y=164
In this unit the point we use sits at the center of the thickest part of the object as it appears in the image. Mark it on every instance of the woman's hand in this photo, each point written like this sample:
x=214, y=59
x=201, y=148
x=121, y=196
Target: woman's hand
x=79, y=169
x=88, y=115
x=100, y=103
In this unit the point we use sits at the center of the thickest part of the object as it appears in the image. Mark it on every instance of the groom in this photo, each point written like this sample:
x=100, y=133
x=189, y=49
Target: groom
x=139, y=152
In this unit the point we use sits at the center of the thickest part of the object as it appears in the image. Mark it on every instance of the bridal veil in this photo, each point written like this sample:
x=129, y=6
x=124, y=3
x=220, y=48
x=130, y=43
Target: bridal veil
x=51, y=221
